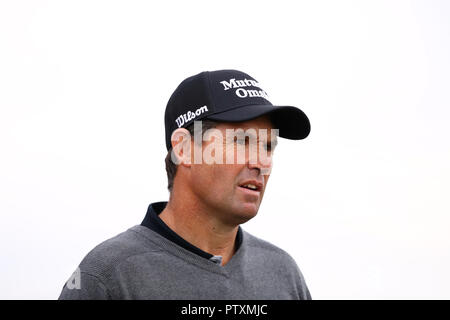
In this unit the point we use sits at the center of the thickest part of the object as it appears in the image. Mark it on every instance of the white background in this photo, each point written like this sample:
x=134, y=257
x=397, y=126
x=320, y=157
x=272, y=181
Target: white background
x=362, y=204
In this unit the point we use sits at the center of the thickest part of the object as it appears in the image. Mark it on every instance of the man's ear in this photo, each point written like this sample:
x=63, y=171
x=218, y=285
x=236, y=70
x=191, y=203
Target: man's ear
x=181, y=147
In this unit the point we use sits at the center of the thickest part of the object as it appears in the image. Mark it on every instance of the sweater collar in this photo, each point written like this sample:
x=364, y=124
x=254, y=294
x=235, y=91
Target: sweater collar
x=155, y=223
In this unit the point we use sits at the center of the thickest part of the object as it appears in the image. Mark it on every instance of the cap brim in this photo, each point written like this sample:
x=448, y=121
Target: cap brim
x=291, y=121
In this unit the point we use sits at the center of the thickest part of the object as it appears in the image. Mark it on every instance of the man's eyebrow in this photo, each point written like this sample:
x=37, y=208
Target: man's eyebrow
x=271, y=143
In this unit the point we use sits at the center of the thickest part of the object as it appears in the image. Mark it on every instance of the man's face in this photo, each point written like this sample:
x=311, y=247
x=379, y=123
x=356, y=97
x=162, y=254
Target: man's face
x=226, y=189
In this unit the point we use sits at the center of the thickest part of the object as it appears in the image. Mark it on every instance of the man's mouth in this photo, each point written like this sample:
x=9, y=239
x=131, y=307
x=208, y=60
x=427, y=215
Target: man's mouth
x=251, y=185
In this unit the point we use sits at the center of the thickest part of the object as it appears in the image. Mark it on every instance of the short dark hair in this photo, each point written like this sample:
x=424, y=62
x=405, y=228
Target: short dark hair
x=171, y=168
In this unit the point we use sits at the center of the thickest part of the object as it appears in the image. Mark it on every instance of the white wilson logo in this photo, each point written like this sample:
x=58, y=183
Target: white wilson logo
x=188, y=116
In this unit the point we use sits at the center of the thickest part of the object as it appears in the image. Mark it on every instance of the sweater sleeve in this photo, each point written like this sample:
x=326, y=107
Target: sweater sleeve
x=85, y=287
x=307, y=294
x=302, y=288
x=302, y=291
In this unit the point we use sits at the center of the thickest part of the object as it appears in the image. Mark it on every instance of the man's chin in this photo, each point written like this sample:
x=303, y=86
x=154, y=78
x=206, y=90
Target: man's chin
x=245, y=213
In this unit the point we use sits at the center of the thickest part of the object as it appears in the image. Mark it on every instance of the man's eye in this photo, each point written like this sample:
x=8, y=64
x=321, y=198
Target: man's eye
x=239, y=140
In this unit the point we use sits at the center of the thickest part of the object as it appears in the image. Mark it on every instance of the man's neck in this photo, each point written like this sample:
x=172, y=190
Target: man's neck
x=199, y=227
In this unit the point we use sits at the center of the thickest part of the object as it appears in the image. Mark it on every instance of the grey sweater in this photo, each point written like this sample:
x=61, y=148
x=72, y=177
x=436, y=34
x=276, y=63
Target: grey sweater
x=141, y=264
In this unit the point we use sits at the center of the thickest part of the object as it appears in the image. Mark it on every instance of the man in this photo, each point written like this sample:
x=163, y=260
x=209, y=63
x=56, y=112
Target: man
x=221, y=131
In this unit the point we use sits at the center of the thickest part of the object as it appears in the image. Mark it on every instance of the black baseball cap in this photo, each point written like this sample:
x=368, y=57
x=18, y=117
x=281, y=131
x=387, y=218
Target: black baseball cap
x=229, y=96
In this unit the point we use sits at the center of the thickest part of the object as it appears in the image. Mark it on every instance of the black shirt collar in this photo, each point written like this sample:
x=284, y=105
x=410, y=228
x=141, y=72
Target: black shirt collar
x=154, y=222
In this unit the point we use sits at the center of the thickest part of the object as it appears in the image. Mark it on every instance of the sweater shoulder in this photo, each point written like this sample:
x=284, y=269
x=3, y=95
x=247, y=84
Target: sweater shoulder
x=260, y=246
x=106, y=256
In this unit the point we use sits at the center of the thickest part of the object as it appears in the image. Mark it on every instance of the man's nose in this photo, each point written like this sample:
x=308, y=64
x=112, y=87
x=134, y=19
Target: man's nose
x=261, y=161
